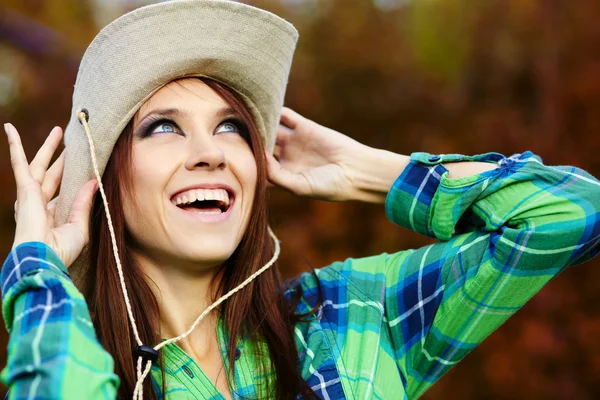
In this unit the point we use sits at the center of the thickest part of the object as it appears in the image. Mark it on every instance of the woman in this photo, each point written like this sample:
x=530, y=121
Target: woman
x=182, y=131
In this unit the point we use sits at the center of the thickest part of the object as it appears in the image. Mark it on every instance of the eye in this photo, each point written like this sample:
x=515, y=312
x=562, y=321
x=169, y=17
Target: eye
x=157, y=125
x=229, y=126
x=164, y=127
x=234, y=125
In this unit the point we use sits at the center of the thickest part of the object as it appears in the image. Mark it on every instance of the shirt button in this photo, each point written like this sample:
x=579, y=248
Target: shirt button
x=188, y=371
x=238, y=353
x=434, y=158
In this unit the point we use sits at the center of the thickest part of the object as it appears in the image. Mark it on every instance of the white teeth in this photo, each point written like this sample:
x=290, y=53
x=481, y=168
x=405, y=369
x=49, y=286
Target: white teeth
x=202, y=194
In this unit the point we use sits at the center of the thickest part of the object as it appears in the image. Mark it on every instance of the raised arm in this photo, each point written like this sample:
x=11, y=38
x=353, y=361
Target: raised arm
x=506, y=225
x=314, y=161
x=53, y=352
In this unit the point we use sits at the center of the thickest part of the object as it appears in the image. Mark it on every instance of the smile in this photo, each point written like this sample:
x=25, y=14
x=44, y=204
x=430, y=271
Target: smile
x=208, y=205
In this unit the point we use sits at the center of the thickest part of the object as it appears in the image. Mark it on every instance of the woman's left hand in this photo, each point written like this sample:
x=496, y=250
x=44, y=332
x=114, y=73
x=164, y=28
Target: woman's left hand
x=312, y=160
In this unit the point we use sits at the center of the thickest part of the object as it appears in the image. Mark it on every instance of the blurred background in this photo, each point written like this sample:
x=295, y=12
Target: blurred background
x=441, y=76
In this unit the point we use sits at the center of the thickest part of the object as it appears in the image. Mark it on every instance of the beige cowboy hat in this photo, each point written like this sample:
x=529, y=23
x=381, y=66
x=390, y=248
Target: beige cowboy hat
x=248, y=49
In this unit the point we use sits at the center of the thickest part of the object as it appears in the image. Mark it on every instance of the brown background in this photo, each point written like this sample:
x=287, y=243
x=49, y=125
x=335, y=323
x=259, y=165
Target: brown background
x=442, y=76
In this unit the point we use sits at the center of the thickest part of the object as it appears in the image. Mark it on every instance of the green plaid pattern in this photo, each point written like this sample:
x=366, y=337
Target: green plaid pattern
x=388, y=326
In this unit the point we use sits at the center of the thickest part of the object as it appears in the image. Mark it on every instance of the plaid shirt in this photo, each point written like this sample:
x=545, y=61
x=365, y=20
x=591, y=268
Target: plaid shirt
x=389, y=326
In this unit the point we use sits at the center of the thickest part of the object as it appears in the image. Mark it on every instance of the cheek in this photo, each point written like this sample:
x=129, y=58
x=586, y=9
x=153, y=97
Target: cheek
x=249, y=175
x=243, y=166
x=252, y=174
x=249, y=187
x=150, y=174
x=152, y=168
x=147, y=173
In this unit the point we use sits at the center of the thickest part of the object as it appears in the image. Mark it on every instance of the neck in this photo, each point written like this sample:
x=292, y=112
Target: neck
x=182, y=295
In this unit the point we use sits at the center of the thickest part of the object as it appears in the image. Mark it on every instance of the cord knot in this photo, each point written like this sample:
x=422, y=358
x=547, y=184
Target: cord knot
x=83, y=115
x=146, y=352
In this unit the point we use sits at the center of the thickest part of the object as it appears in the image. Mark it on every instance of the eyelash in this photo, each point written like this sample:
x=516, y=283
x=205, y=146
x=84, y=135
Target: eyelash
x=155, y=122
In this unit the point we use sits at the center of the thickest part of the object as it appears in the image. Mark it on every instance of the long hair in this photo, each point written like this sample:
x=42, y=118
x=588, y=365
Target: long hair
x=260, y=312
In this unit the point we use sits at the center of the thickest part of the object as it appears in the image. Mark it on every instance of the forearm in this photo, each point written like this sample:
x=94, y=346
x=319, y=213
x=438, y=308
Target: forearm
x=373, y=171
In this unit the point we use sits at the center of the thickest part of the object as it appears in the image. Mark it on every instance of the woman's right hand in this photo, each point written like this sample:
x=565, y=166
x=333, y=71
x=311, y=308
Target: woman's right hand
x=36, y=185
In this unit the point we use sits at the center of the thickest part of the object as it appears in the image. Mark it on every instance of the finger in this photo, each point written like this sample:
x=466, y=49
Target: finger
x=281, y=177
x=74, y=235
x=18, y=160
x=272, y=167
x=290, y=118
x=82, y=207
x=53, y=176
x=277, y=151
x=52, y=204
x=40, y=163
x=51, y=207
x=283, y=134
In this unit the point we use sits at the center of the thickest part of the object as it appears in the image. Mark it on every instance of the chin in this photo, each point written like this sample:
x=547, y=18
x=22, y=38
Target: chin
x=213, y=258
x=206, y=251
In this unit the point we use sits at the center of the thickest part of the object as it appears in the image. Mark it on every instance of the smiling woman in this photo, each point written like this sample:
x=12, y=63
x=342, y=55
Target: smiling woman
x=189, y=255
x=162, y=220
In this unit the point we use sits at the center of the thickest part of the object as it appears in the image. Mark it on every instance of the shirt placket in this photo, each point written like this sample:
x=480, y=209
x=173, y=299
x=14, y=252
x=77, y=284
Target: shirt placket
x=245, y=378
x=189, y=373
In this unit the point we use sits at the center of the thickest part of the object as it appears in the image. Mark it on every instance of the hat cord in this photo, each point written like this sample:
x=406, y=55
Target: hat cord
x=138, y=393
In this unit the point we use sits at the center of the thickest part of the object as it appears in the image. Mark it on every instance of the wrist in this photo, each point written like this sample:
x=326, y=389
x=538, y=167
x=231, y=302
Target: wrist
x=373, y=171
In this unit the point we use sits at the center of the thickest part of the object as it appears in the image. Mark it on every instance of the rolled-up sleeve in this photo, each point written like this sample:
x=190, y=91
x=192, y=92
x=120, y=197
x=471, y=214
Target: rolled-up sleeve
x=503, y=234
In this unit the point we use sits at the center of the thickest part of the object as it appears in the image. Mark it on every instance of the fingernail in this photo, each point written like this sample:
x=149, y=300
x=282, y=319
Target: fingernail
x=6, y=127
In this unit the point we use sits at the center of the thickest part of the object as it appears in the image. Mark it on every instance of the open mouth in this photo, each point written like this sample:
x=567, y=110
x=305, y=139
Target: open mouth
x=204, y=201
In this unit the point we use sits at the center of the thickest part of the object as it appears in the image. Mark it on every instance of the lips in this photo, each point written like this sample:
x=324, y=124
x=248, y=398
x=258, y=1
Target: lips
x=203, y=198
x=209, y=202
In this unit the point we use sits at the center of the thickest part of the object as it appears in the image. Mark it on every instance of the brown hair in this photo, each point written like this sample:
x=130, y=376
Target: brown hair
x=260, y=312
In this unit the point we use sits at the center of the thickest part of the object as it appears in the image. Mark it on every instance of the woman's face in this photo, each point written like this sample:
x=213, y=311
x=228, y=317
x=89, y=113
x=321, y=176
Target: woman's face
x=194, y=177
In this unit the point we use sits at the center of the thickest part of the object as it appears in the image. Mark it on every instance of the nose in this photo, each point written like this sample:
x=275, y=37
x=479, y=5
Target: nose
x=205, y=153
